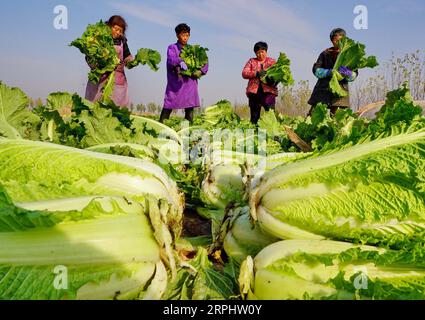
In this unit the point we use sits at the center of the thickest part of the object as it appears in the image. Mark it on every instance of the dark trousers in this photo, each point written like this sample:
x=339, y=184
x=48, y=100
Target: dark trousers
x=261, y=99
x=166, y=113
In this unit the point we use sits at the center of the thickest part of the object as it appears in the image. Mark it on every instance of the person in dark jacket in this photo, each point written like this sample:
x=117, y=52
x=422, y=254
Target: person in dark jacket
x=322, y=69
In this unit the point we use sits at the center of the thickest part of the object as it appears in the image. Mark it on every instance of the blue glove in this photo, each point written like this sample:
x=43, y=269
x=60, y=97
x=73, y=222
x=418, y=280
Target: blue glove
x=344, y=71
x=183, y=66
x=322, y=73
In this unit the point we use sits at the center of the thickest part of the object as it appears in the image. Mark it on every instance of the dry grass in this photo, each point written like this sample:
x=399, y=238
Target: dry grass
x=389, y=76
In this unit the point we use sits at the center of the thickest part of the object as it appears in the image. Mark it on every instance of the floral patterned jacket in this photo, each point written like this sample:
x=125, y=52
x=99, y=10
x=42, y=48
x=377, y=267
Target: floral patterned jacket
x=249, y=72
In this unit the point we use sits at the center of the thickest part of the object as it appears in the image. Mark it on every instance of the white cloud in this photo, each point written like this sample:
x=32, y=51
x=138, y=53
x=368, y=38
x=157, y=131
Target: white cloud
x=147, y=13
x=243, y=19
x=253, y=18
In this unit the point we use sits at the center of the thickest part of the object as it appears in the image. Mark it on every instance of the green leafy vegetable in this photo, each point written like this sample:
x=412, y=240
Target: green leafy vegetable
x=159, y=129
x=64, y=172
x=59, y=101
x=353, y=56
x=243, y=238
x=108, y=89
x=398, y=109
x=315, y=270
x=83, y=173
x=16, y=120
x=146, y=56
x=362, y=183
x=125, y=149
x=195, y=58
x=97, y=45
x=223, y=185
x=371, y=193
x=200, y=280
x=86, y=124
x=280, y=72
x=93, y=242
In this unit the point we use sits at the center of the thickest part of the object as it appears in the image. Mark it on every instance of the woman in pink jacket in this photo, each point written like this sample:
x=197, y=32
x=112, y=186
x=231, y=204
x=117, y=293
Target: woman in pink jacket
x=259, y=94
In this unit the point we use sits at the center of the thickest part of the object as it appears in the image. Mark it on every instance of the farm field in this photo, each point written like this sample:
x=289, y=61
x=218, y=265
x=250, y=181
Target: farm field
x=220, y=209
x=214, y=157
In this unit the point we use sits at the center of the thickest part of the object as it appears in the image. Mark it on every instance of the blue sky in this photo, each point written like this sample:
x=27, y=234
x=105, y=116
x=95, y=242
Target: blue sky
x=36, y=57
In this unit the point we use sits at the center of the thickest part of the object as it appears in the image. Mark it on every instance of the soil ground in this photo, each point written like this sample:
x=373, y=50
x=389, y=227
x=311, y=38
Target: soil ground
x=194, y=225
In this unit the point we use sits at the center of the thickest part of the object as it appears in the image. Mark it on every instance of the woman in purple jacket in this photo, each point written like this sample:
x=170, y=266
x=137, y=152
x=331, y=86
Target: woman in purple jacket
x=182, y=91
